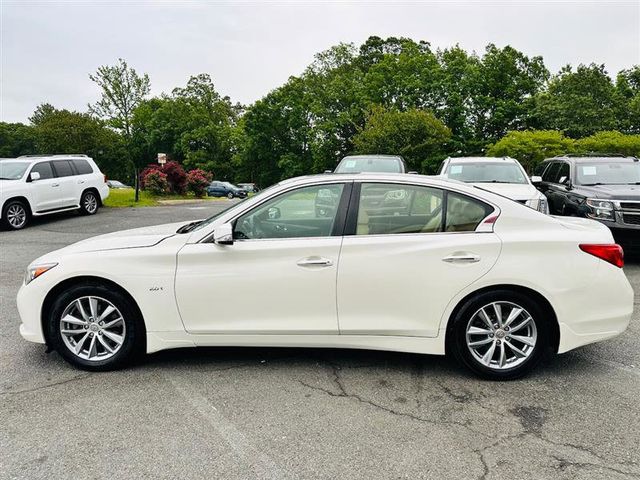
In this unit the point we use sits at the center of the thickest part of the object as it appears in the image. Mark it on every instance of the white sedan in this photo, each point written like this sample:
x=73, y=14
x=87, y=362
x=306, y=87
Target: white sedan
x=377, y=261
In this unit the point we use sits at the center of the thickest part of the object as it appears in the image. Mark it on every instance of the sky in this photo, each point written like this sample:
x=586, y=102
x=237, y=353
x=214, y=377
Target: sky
x=48, y=48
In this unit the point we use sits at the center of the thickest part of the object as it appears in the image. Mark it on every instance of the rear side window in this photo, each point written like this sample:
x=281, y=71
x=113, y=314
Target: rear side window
x=44, y=169
x=82, y=167
x=63, y=168
x=464, y=214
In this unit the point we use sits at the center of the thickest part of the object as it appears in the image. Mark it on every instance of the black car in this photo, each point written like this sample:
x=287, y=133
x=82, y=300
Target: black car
x=225, y=189
x=604, y=188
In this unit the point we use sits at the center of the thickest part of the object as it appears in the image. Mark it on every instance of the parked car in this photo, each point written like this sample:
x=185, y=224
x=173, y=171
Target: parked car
x=31, y=186
x=116, y=184
x=249, y=187
x=502, y=175
x=433, y=267
x=225, y=189
x=604, y=188
x=371, y=163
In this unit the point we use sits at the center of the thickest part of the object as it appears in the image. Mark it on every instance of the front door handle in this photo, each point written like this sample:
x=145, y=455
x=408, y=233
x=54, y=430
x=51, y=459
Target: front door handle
x=55, y=184
x=314, y=262
x=462, y=258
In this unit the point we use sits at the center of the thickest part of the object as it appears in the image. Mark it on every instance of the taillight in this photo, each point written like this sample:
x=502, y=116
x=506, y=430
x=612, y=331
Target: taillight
x=105, y=178
x=611, y=253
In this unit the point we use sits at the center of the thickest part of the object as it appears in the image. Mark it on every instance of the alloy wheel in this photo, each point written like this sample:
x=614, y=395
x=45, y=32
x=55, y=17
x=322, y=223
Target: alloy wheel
x=90, y=203
x=501, y=335
x=92, y=328
x=16, y=215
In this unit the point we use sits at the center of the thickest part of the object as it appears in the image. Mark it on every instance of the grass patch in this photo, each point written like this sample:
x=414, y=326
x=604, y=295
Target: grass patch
x=124, y=197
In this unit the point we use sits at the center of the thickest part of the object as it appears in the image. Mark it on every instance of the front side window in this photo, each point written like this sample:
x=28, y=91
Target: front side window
x=63, y=168
x=464, y=214
x=44, y=169
x=304, y=212
x=392, y=208
x=550, y=173
x=563, y=173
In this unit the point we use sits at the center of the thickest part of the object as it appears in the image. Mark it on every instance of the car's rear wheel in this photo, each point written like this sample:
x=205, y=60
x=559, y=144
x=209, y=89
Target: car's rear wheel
x=15, y=215
x=500, y=335
x=95, y=328
x=89, y=203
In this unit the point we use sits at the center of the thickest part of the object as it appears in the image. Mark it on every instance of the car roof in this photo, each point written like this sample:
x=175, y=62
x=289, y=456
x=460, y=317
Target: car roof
x=594, y=158
x=483, y=159
x=70, y=156
x=374, y=155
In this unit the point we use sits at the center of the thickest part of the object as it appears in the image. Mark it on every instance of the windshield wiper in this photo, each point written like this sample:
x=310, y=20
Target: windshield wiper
x=188, y=227
x=7, y=178
x=592, y=184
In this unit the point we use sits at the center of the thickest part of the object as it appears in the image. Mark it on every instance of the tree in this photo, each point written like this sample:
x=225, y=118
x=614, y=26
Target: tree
x=578, y=103
x=415, y=134
x=16, y=139
x=531, y=147
x=610, y=142
x=122, y=91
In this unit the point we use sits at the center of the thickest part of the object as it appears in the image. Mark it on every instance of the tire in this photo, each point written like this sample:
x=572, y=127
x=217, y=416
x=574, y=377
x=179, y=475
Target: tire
x=470, y=347
x=230, y=195
x=15, y=215
x=89, y=203
x=96, y=336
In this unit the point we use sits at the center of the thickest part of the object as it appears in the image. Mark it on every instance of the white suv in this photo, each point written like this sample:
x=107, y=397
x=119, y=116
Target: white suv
x=39, y=185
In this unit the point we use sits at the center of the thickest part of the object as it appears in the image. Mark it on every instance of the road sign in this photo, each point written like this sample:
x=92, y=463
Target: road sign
x=162, y=158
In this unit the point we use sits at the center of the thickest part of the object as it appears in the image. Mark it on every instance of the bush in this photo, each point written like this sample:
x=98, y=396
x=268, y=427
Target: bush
x=175, y=175
x=197, y=181
x=156, y=182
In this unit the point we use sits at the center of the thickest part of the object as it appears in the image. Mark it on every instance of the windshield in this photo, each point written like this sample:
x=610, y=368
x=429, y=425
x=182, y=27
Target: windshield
x=369, y=164
x=12, y=170
x=608, y=173
x=486, y=172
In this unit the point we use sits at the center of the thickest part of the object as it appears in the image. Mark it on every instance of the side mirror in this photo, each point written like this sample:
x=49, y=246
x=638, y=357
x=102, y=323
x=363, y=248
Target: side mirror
x=566, y=181
x=273, y=213
x=536, y=179
x=34, y=176
x=223, y=234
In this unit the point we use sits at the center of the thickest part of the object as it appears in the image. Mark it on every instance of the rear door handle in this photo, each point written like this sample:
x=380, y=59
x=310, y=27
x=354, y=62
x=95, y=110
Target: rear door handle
x=55, y=184
x=314, y=262
x=462, y=258
x=80, y=181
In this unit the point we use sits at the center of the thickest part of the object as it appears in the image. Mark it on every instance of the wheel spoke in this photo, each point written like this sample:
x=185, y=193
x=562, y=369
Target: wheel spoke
x=112, y=323
x=107, y=311
x=486, y=358
x=485, y=318
x=515, y=350
x=526, y=340
x=512, y=316
x=93, y=306
x=478, y=331
x=524, y=323
x=71, y=333
x=498, y=311
x=79, y=344
x=113, y=336
x=92, y=347
x=81, y=310
x=73, y=320
x=105, y=344
x=503, y=356
x=481, y=342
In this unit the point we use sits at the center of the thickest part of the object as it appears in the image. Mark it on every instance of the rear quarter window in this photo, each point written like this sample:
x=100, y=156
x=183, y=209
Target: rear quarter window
x=464, y=214
x=82, y=167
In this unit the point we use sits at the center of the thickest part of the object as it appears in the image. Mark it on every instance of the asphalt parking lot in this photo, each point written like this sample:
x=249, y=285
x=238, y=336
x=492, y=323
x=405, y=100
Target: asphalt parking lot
x=294, y=413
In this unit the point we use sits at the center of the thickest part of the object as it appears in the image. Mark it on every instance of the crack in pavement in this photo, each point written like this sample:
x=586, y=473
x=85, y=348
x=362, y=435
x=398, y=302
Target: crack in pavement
x=48, y=385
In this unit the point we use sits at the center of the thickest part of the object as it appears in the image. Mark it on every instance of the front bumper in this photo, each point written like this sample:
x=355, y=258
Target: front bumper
x=29, y=308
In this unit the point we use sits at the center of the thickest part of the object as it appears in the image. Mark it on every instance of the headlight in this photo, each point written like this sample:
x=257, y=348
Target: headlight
x=539, y=204
x=601, y=209
x=34, y=271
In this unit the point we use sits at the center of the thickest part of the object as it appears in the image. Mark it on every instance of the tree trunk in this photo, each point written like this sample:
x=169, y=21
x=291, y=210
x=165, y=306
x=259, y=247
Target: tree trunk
x=135, y=171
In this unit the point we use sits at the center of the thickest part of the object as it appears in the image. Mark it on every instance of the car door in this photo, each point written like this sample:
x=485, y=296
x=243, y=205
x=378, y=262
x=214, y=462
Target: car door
x=278, y=276
x=45, y=192
x=557, y=189
x=407, y=251
x=84, y=176
x=66, y=184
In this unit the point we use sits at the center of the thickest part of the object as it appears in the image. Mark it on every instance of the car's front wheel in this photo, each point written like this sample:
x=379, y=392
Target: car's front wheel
x=89, y=203
x=15, y=215
x=500, y=335
x=230, y=195
x=95, y=328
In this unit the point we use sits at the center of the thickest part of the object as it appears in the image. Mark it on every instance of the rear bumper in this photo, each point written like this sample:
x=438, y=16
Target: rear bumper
x=103, y=190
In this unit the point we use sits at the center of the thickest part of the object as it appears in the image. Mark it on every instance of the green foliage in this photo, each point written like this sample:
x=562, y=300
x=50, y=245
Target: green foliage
x=417, y=135
x=530, y=147
x=610, y=142
x=16, y=139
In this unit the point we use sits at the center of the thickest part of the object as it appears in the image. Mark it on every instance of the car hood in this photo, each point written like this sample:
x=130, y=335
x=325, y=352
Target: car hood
x=7, y=186
x=612, y=192
x=514, y=191
x=135, y=238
